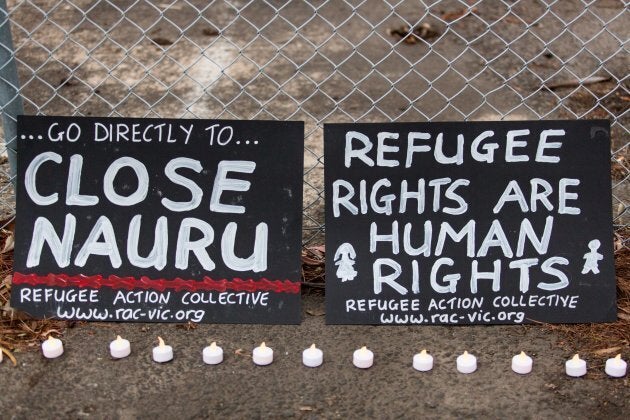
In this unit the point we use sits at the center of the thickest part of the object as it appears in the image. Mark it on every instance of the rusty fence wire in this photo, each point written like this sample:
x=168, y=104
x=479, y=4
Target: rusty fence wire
x=319, y=61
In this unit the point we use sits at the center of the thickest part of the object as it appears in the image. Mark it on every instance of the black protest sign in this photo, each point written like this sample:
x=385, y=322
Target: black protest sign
x=469, y=223
x=159, y=220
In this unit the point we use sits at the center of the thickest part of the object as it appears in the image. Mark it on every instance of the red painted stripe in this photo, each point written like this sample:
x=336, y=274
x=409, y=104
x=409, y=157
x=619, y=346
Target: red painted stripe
x=145, y=283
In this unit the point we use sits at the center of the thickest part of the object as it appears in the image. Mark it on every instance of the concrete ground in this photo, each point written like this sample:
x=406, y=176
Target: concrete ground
x=86, y=383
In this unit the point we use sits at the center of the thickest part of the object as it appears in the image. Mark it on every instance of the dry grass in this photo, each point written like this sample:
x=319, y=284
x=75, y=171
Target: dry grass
x=17, y=330
x=313, y=268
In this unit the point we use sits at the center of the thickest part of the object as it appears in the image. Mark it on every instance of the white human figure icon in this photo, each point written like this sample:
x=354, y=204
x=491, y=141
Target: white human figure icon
x=344, y=258
x=592, y=258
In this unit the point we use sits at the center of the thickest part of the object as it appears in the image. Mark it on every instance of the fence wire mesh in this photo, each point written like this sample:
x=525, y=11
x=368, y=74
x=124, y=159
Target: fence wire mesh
x=325, y=61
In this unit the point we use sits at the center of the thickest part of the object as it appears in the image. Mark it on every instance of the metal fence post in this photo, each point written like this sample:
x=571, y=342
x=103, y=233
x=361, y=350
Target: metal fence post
x=10, y=100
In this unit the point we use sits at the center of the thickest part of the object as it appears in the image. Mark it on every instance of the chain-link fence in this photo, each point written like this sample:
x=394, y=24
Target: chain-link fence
x=321, y=61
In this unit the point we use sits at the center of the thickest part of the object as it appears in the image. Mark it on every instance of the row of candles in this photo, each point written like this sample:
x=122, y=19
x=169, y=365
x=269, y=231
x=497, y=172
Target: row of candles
x=362, y=358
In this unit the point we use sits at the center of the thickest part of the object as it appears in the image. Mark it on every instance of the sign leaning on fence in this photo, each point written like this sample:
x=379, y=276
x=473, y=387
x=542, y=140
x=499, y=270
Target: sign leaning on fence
x=469, y=223
x=159, y=220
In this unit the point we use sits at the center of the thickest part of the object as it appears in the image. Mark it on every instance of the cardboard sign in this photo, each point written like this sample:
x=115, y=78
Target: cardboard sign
x=159, y=220
x=469, y=223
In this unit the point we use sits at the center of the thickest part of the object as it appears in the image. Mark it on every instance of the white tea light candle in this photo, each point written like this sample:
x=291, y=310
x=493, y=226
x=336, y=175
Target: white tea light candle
x=616, y=367
x=262, y=355
x=466, y=363
x=363, y=358
x=312, y=356
x=522, y=363
x=119, y=348
x=212, y=354
x=162, y=353
x=575, y=367
x=423, y=361
x=52, y=348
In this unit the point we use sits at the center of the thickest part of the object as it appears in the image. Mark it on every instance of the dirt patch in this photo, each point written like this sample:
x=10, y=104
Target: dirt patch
x=606, y=100
x=609, y=101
